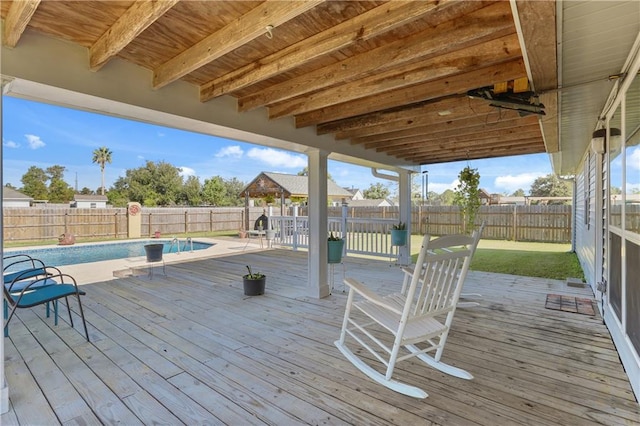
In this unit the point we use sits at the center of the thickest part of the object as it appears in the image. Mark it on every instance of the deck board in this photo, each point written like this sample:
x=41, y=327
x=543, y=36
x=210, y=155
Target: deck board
x=190, y=348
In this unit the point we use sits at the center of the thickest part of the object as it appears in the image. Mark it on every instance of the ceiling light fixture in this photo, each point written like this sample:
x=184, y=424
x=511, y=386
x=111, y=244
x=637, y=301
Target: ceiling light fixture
x=598, y=139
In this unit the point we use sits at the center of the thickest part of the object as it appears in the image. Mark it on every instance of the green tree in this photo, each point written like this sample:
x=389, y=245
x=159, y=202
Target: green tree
x=448, y=197
x=191, y=193
x=102, y=156
x=34, y=183
x=233, y=188
x=117, y=198
x=551, y=186
x=467, y=197
x=155, y=184
x=59, y=190
x=518, y=193
x=305, y=172
x=214, y=191
x=87, y=191
x=376, y=192
x=8, y=185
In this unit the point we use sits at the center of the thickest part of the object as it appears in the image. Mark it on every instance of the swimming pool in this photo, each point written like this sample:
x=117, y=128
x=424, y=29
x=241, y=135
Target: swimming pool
x=71, y=255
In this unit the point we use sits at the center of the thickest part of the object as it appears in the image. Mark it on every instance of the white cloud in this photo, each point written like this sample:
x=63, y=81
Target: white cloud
x=230, y=151
x=439, y=188
x=275, y=158
x=34, y=141
x=187, y=171
x=10, y=144
x=511, y=183
x=633, y=160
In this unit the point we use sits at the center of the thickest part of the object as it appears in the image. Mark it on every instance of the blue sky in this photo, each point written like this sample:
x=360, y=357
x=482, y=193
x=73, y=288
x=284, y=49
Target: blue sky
x=42, y=135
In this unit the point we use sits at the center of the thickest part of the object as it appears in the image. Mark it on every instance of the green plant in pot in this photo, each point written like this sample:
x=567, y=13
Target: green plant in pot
x=335, y=247
x=254, y=283
x=399, y=234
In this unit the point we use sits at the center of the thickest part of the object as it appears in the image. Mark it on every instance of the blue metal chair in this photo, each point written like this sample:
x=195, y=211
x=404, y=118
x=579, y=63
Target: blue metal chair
x=22, y=265
x=48, y=286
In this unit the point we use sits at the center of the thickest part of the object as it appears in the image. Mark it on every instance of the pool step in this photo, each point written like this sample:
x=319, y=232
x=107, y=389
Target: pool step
x=130, y=272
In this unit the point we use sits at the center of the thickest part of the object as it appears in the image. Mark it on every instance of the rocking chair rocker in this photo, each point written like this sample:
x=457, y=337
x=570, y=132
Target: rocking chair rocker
x=421, y=313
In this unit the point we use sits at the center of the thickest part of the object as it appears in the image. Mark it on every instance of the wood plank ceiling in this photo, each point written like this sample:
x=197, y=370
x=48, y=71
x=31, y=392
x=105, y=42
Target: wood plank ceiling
x=390, y=76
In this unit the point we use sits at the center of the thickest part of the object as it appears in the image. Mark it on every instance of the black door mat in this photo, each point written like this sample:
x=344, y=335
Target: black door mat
x=578, y=305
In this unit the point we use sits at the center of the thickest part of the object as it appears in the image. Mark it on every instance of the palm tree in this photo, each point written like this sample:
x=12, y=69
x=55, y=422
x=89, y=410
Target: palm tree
x=102, y=156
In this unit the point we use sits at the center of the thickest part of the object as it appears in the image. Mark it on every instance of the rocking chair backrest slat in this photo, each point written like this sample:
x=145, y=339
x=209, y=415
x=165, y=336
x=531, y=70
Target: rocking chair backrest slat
x=440, y=270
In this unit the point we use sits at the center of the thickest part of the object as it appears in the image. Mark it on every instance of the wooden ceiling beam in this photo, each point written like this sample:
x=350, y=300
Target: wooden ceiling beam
x=132, y=23
x=361, y=28
x=458, y=128
x=349, y=127
x=461, y=151
x=459, y=84
x=476, y=155
x=460, y=61
x=538, y=26
x=18, y=16
x=484, y=24
x=467, y=142
x=239, y=32
x=429, y=124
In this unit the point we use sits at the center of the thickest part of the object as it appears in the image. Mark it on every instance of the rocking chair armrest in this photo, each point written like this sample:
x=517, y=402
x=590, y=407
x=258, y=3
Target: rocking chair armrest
x=407, y=270
x=370, y=295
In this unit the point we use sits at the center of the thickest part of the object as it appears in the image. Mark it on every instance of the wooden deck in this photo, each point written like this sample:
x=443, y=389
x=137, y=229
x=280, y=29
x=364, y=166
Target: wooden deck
x=190, y=348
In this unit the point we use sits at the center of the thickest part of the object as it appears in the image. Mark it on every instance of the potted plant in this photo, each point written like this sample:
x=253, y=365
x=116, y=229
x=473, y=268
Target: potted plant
x=335, y=247
x=254, y=283
x=242, y=233
x=399, y=234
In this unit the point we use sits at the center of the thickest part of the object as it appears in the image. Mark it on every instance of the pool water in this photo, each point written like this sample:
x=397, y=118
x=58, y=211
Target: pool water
x=71, y=255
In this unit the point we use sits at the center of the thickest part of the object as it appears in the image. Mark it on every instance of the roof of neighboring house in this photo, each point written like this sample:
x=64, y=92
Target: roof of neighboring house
x=292, y=186
x=352, y=190
x=12, y=194
x=93, y=198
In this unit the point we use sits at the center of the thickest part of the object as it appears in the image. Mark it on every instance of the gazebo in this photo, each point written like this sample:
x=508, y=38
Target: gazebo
x=284, y=186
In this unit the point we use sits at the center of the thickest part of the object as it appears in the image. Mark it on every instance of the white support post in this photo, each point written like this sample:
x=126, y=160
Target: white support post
x=404, y=199
x=317, y=284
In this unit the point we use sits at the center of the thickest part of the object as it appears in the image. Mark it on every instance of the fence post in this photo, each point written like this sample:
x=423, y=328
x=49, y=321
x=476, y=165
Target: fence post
x=210, y=220
x=345, y=212
x=295, y=228
x=515, y=228
x=115, y=225
x=186, y=221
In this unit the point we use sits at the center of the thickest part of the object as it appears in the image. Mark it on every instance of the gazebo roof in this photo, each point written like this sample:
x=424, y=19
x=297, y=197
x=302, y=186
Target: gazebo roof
x=289, y=185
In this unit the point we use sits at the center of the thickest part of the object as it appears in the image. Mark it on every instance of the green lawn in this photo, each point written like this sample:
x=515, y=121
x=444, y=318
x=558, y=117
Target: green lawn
x=542, y=260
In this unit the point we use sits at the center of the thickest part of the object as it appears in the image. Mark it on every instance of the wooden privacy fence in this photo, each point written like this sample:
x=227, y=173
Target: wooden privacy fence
x=519, y=223
x=36, y=224
x=541, y=223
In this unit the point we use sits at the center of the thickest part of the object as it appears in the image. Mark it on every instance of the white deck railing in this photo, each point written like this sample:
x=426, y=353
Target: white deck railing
x=361, y=235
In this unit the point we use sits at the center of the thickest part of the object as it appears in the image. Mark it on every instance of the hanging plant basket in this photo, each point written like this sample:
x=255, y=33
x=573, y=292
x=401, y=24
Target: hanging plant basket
x=398, y=237
x=335, y=251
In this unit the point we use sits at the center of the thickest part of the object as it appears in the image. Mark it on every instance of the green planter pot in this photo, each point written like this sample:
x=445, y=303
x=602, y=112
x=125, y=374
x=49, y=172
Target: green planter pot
x=335, y=251
x=254, y=287
x=398, y=237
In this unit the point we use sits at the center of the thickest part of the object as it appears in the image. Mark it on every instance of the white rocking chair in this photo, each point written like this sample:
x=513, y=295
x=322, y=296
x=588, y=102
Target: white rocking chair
x=421, y=313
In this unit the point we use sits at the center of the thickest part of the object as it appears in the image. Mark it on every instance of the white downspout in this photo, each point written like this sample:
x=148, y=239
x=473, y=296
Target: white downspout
x=404, y=200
